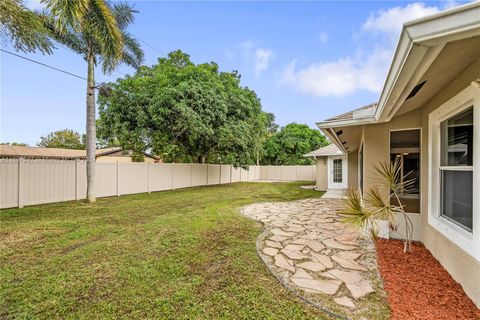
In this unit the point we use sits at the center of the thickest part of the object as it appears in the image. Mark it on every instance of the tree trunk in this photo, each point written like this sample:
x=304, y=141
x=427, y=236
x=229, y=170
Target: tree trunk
x=91, y=130
x=201, y=159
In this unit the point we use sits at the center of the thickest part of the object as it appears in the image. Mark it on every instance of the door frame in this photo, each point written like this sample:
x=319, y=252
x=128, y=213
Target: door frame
x=344, y=183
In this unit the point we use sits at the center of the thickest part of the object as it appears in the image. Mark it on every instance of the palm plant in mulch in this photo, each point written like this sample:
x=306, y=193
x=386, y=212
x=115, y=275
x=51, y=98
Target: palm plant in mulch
x=382, y=202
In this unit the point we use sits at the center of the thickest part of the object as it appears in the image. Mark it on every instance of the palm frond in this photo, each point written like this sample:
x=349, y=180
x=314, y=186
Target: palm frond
x=124, y=14
x=68, y=37
x=381, y=208
x=105, y=30
x=354, y=211
x=68, y=13
x=23, y=28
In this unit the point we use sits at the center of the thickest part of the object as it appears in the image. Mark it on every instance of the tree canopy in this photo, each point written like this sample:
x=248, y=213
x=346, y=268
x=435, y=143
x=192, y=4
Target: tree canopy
x=184, y=112
x=288, y=145
x=66, y=138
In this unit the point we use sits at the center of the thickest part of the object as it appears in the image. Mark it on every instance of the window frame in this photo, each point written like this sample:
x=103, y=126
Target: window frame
x=469, y=241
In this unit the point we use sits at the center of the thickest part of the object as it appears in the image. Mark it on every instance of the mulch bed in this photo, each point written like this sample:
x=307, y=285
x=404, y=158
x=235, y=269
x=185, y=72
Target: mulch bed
x=418, y=287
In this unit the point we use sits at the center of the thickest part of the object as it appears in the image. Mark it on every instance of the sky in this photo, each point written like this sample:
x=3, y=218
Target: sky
x=307, y=61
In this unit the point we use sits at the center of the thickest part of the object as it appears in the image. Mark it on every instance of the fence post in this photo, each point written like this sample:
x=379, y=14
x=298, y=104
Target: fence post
x=76, y=179
x=220, y=175
x=148, y=177
x=296, y=172
x=281, y=172
x=191, y=174
x=231, y=172
x=173, y=170
x=207, y=173
x=20, y=182
x=118, y=179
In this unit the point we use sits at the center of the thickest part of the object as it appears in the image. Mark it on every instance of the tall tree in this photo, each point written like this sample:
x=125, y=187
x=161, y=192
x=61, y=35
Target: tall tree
x=96, y=30
x=65, y=138
x=288, y=145
x=23, y=28
x=184, y=112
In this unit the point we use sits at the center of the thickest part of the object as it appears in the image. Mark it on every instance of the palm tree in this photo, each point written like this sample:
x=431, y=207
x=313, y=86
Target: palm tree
x=96, y=30
x=382, y=202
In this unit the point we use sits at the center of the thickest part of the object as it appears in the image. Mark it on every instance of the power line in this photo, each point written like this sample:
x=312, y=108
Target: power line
x=152, y=47
x=70, y=49
x=43, y=64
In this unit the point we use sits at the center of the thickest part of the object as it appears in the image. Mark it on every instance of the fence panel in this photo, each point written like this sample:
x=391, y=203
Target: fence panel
x=161, y=176
x=225, y=173
x=274, y=173
x=306, y=173
x=199, y=174
x=213, y=174
x=44, y=181
x=106, y=179
x=264, y=172
x=8, y=183
x=132, y=178
x=182, y=175
x=289, y=173
x=235, y=174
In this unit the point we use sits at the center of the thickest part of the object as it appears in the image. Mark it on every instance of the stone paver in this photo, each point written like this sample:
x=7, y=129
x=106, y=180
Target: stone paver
x=309, y=247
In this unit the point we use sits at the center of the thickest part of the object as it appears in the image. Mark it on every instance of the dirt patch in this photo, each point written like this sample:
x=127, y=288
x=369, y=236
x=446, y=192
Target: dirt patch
x=80, y=244
x=418, y=287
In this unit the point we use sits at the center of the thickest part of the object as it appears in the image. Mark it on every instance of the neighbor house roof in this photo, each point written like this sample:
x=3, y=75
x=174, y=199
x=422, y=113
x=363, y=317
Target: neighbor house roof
x=330, y=150
x=55, y=153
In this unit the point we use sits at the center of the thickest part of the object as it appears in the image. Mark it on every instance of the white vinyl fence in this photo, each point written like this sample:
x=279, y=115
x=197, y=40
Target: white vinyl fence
x=30, y=182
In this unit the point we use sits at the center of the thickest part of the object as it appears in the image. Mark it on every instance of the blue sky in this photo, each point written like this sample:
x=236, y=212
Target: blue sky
x=306, y=60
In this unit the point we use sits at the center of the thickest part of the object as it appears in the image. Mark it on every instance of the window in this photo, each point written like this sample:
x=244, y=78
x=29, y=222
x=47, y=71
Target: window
x=456, y=168
x=454, y=158
x=337, y=170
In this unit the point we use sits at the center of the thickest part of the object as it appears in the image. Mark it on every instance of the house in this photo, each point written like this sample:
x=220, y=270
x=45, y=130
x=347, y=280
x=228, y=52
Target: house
x=428, y=117
x=332, y=171
x=102, y=155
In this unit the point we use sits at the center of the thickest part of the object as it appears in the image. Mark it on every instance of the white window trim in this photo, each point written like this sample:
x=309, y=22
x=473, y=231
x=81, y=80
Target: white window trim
x=469, y=241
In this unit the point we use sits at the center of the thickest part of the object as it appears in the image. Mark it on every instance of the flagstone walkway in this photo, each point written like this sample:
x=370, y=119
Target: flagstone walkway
x=328, y=262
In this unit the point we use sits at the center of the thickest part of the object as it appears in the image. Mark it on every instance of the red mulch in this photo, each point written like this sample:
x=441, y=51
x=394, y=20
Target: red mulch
x=418, y=287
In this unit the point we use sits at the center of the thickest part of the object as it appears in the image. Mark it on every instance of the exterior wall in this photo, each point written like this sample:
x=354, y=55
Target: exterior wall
x=322, y=174
x=377, y=142
x=463, y=267
x=353, y=169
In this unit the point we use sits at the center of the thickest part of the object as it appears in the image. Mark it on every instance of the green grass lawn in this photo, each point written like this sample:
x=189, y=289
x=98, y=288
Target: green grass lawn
x=185, y=254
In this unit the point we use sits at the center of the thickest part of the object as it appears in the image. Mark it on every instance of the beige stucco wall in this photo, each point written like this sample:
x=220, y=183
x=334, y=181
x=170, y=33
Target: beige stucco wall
x=353, y=169
x=322, y=174
x=463, y=267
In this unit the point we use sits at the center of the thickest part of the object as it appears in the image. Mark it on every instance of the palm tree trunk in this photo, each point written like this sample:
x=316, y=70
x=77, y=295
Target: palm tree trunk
x=91, y=130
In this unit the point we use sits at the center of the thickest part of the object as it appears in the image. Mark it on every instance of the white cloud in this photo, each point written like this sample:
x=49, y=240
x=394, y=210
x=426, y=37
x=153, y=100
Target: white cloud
x=341, y=77
x=363, y=70
x=262, y=60
x=391, y=21
x=253, y=56
x=323, y=37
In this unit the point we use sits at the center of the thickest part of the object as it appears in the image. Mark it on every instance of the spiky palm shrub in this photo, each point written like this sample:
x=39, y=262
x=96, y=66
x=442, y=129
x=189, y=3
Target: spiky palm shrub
x=377, y=203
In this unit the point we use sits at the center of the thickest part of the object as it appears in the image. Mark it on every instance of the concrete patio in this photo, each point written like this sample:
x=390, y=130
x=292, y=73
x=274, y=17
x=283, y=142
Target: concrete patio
x=325, y=261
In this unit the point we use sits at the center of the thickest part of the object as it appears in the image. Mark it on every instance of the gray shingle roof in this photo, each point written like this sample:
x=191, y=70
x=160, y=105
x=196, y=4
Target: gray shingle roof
x=330, y=150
